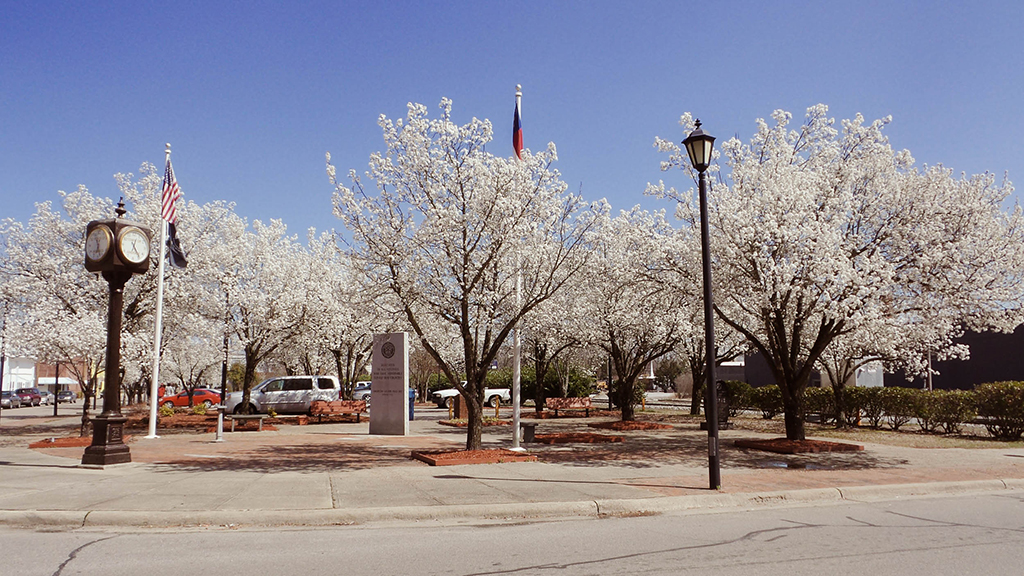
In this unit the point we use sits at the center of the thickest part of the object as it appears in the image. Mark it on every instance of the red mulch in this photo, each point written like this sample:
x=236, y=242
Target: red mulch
x=580, y=437
x=785, y=446
x=68, y=442
x=454, y=457
x=571, y=413
x=178, y=420
x=463, y=423
x=622, y=426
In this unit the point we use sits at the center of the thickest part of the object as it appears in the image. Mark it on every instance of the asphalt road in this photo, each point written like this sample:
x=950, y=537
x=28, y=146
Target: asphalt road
x=981, y=534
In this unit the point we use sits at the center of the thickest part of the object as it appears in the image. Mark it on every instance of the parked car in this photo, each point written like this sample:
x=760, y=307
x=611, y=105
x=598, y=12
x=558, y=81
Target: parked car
x=29, y=396
x=362, y=392
x=285, y=394
x=446, y=398
x=199, y=396
x=66, y=396
x=46, y=397
x=10, y=400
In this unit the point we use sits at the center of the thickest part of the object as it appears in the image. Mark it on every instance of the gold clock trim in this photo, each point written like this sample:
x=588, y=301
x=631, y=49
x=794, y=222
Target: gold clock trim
x=110, y=242
x=120, y=240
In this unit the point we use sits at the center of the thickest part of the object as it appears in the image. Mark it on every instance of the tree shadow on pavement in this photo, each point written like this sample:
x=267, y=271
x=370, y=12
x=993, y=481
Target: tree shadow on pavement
x=649, y=450
x=298, y=458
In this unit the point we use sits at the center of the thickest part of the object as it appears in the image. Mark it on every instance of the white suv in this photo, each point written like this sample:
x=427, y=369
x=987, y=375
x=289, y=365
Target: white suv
x=285, y=394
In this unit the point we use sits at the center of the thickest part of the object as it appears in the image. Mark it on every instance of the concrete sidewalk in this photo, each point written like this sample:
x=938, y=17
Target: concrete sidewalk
x=324, y=474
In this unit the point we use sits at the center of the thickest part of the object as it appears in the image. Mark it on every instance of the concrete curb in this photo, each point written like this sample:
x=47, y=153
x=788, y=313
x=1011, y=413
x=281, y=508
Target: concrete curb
x=699, y=503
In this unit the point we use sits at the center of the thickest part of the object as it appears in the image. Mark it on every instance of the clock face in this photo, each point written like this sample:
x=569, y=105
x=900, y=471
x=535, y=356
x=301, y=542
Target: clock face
x=97, y=243
x=134, y=245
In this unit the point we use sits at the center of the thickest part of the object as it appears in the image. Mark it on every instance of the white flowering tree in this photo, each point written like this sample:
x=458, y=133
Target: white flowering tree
x=446, y=230
x=62, y=309
x=344, y=311
x=551, y=332
x=261, y=269
x=820, y=231
x=634, y=310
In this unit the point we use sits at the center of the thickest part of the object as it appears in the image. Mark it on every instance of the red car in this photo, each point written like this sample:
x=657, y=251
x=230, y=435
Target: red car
x=29, y=396
x=200, y=396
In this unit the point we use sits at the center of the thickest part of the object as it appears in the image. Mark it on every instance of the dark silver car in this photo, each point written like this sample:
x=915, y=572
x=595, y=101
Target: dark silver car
x=10, y=400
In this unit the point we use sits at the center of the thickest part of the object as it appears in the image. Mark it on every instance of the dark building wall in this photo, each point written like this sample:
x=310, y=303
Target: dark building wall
x=994, y=357
x=758, y=373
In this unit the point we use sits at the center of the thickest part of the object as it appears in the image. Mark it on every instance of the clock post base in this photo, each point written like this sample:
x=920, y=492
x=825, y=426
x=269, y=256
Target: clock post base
x=108, y=445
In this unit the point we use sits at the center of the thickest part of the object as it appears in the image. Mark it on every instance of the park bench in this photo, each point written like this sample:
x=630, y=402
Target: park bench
x=321, y=408
x=258, y=417
x=557, y=404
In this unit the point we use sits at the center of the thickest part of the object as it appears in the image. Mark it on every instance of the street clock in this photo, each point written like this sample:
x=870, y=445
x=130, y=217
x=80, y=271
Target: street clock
x=117, y=245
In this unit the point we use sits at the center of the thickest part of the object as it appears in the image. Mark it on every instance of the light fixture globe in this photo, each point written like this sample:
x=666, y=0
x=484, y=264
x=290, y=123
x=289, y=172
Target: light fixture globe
x=698, y=146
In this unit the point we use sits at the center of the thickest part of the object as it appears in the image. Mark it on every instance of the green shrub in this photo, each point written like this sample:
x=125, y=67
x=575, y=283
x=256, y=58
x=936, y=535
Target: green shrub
x=899, y=405
x=166, y=411
x=954, y=408
x=926, y=410
x=1001, y=404
x=767, y=399
x=820, y=401
x=737, y=395
x=853, y=399
x=872, y=408
x=199, y=409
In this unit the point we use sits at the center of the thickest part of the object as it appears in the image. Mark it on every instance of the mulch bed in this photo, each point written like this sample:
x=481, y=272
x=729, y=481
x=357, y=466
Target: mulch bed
x=571, y=413
x=69, y=442
x=463, y=423
x=621, y=426
x=455, y=457
x=575, y=437
x=785, y=446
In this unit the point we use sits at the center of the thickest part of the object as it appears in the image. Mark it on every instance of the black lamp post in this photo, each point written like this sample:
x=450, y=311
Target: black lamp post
x=698, y=146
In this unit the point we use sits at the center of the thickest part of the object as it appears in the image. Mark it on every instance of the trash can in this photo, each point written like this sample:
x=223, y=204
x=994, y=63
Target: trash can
x=412, y=403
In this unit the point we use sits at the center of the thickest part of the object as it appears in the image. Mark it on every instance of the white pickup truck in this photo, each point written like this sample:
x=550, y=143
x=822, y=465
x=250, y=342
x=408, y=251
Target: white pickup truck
x=446, y=398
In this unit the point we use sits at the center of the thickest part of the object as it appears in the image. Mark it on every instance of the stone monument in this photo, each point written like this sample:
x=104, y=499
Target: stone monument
x=389, y=410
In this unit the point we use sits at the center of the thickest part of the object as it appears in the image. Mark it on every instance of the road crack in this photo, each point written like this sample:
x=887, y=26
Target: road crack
x=75, y=552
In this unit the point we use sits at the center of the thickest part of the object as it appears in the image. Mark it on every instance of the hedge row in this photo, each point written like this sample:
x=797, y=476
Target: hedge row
x=999, y=404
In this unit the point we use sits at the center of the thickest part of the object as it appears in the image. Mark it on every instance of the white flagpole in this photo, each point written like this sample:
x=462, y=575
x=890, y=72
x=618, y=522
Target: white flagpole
x=517, y=344
x=154, y=385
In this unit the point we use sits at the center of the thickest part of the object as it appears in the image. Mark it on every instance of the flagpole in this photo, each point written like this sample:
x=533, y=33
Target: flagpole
x=517, y=344
x=154, y=385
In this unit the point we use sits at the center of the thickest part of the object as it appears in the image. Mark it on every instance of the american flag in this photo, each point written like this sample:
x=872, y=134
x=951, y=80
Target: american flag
x=171, y=193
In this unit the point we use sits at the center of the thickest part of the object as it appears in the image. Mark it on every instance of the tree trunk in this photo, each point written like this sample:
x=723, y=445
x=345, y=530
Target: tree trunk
x=793, y=406
x=697, y=367
x=84, y=429
x=540, y=372
x=837, y=394
x=250, y=377
x=794, y=424
x=475, y=426
x=625, y=398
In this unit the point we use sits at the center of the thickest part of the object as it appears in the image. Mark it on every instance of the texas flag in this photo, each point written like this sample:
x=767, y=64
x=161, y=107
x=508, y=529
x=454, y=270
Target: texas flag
x=517, y=133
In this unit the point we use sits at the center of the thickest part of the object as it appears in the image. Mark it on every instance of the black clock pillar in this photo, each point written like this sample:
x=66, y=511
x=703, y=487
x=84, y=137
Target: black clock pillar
x=117, y=248
x=108, y=445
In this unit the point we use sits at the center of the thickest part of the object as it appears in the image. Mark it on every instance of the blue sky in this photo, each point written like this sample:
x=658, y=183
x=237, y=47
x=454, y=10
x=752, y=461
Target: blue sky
x=252, y=95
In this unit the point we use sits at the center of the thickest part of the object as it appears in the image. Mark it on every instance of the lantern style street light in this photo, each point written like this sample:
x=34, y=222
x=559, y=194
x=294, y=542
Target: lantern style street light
x=698, y=146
